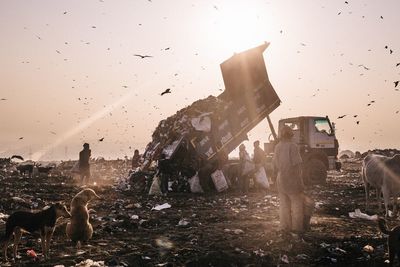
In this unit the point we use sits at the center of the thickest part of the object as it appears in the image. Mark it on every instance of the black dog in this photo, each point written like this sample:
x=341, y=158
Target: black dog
x=43, y=221
x=393, y=239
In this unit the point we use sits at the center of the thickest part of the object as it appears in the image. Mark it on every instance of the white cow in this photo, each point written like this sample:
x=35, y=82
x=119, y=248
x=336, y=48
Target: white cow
x=383, y=173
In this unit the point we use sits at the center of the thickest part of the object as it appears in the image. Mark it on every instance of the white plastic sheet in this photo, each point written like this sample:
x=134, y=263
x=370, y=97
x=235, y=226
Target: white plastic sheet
x=162, y=207
x=358, y=214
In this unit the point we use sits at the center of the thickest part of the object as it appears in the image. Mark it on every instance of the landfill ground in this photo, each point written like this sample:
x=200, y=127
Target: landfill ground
x=226, y=229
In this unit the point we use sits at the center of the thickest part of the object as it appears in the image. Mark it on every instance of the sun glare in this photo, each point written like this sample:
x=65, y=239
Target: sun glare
x=238, y=27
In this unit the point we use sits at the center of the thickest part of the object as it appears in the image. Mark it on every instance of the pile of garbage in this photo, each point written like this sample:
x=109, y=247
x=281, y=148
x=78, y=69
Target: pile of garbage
x=177, y=139
x=188, y=123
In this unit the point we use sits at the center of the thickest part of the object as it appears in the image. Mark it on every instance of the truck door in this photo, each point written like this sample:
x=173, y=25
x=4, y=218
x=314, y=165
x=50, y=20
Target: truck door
x=320, y=133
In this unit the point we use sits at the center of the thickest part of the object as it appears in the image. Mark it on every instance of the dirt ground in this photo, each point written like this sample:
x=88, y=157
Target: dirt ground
x=227, y=229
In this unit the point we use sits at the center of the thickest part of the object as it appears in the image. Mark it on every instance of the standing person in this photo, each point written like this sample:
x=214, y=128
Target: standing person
x=259, y=162
x=287, y=161
x=165, y=172
x=259, y=155
x=246, y=168
x=84, y=167
x=135, y=160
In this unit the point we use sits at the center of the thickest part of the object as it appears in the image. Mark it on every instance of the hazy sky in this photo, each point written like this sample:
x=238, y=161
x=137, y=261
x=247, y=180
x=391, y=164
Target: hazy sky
x=69, y=74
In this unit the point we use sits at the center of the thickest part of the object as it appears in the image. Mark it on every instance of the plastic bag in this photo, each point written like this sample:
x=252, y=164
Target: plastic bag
x=194, y=183
x=219, y=180
x=261, y=178
x=155, y=186
x=248, y=167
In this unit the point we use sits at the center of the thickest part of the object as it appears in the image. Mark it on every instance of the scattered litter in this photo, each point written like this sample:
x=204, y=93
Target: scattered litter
x=183, y=222
x=161, y=207
x=238, y=231
x=31, y=253
x=90, y=263
x=368, y=248
x=358, y=214
x=285, y=259
x=18, y=199
x=302, y=257
x=324, y=245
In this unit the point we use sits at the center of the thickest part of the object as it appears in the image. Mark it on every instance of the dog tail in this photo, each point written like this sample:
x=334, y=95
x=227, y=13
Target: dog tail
x=383, y=226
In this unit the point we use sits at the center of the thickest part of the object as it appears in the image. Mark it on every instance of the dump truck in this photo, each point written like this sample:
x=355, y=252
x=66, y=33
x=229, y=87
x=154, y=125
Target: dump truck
x=315, y=136
x=215, y=126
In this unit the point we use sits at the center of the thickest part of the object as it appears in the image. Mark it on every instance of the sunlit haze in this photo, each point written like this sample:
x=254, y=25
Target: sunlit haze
x=69, y=73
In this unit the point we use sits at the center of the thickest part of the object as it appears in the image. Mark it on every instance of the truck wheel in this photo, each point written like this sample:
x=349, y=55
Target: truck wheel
x=316, y=172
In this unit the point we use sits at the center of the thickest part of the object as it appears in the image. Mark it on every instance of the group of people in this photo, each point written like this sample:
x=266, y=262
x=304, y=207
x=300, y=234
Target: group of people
x=286, y=160
x=248, y=167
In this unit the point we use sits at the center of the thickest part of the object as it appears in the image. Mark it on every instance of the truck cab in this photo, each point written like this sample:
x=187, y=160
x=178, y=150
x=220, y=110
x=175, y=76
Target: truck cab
x=317, y=143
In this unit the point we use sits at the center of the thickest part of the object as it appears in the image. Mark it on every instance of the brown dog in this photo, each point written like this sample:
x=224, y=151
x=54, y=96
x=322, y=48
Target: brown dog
x=43, y=221
x=79, y=228
x=393, y=240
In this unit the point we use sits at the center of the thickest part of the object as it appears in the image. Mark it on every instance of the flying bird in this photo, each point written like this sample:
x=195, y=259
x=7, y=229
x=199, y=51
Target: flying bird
x=355, y=116
x=21, y=138
x=358, y=122
x=65, y=12
x=341, y=117
x=396, y=83
x=17, y=157
x=398, y=64
x=141, y=56
x=167, y=91
x=361, y=65
x=381, y=17
x=101, y=139
x=391, y=51
x=346, y=2
x=3, y=99
x=386, y=47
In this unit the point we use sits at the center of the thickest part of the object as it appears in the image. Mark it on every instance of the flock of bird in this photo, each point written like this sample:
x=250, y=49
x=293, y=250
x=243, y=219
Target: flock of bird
x=86, y=100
